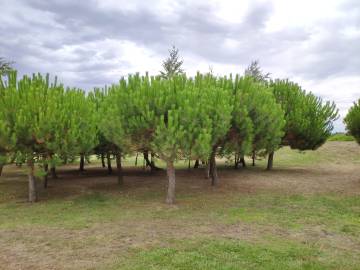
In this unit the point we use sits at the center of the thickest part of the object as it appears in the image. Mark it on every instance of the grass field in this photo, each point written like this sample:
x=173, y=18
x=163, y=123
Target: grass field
x=305, y=214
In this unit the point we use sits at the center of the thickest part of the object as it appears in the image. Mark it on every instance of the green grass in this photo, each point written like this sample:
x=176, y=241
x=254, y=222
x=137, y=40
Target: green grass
x=220, y=228
x=341, y=137
x=231, y=254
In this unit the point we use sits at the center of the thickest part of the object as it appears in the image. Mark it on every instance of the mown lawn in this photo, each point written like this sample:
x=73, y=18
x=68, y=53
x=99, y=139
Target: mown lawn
x=303, y=215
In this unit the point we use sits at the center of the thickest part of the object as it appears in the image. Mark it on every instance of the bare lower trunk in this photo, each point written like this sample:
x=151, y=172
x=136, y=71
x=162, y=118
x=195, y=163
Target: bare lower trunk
x=197, y=163
x=236, y=161
x=82, y=162
x=1, y=168
x=242, y=161
x=109, y=163
x=170, y=198
x=53, y=172
x=207, y=170
x=270, y=161
x=136, y=159
x=119, y=169
x=213, y=170
x=32, y=181
x=103, y=160
x=253, y=158
x=46, y=169
x=151, y=163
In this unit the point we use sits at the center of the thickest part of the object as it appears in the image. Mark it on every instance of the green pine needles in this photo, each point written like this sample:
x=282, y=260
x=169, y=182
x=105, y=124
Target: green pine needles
x=174, y=117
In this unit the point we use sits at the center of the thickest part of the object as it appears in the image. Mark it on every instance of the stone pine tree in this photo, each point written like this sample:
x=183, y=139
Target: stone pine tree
x=115, y=106
x=28, y=107
x=308, y=120
x=218, y=104
x=352, y=121
x=172, y=65
x=266, y=116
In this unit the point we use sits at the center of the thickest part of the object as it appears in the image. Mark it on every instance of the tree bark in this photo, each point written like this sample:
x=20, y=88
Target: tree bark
x=46, y=169
x=136, y=159
x=149, y=163
x=196, y=165
x=103, y=160
x=82, y=162
x=108, y=163
x=119, y=169
x=270, y=161
x=32, y=181
x=207, y=170
x=170, y=198
x=242, y=161
x=1, y=168
x=253, y=158
x=213, y=170
x=53, y=172
x=236, y=161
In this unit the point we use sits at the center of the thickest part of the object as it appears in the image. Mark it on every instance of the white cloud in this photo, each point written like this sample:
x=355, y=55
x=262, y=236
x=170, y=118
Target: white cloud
x=94, y=43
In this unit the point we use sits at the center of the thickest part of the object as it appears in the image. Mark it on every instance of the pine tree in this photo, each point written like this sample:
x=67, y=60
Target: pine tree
x=254, y=71
x=5, y=66
x=352, y=121
x=172, y=65
x=309, y=121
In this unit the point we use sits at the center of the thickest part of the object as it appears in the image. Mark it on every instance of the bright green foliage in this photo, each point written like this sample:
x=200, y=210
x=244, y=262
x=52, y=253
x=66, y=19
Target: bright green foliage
x=266, y=115
x=309, y=121
x=29, y=112
x=352, y=121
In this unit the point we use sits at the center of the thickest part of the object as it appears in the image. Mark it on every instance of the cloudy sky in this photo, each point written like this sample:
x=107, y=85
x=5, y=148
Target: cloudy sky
x=95, y=42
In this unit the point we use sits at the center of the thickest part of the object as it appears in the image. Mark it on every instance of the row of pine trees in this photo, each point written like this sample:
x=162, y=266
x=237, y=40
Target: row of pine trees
x=44, y=124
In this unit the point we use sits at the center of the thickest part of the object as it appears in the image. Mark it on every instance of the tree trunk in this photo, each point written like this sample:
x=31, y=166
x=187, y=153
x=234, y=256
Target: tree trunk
x=253, y=158
x=32, y=181
x=136, y=159
x=207, y=170
x=236, y=161
x=1, y=168
x=149, y=163
x=242, y=161
x=103, y=160
x=119, y=169
x=170, y=198
x=213, y=170
x=196, y=165
x=53, y=172
x=109, y=163
x=82, y=162
x=270, y=161
x=46, y=169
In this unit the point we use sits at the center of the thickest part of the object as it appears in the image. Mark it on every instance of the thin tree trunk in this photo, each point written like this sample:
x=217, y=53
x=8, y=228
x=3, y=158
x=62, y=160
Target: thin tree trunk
x=196, y=165
x=53, y=172
x=46, y=169
x=119, y=168
x=207, y=170
x=189, y=164
x=270, y=161
x=32, y=181
x=103, y=160
x=108, y=163
x=213, y=170
x=136, y=159
x=1, y=168
x=151, y=163
x=170, y=198
x=253, y=158
x=82, y=162
x=236, y=161
x=242, y=161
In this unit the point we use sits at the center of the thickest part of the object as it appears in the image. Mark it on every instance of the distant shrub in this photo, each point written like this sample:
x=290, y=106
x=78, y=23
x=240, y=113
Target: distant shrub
x=341, y=137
